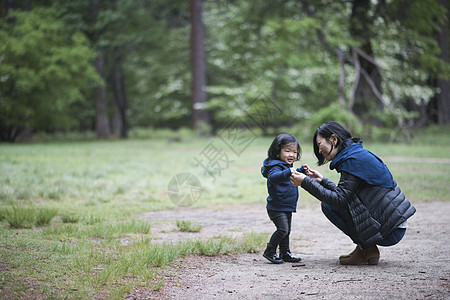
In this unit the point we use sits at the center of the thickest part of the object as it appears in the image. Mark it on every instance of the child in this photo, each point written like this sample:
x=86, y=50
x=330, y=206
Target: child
x=283, y=196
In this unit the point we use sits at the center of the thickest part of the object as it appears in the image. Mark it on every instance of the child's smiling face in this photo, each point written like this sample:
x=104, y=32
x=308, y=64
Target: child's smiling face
x=288, y=153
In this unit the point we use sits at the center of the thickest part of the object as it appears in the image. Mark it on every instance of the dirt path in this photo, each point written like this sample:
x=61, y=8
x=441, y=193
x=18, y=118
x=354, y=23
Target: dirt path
x=417, y=268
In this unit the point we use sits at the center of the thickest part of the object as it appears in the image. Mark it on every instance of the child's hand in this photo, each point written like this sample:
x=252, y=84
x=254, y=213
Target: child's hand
x=294, y=171
x=308, y=170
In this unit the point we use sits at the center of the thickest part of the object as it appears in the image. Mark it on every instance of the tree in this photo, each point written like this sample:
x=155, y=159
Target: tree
x=41, y=80
x=368, y=79
x=391, y=51
x=417, y=61
x=254, y=61
x=102, y=127
x=107, y=24
x=157, y=66
x=443, y=82
x=120, y=120
x=160, y=66
x=200, y=115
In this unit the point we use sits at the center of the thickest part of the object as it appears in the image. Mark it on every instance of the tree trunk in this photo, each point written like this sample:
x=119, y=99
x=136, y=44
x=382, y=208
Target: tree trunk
x=6, y=7
x=101, y=116
x=364, y=96
x=120, y=98
x=200, y=116
x=443, y=97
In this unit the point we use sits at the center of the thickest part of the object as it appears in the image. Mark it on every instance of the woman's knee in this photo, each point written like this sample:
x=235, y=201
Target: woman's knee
x=328, y=210
x=394, y=238
x=325, y=207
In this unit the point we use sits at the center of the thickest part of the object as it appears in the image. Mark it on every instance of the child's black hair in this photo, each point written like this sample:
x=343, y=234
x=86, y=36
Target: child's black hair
x=279, y=142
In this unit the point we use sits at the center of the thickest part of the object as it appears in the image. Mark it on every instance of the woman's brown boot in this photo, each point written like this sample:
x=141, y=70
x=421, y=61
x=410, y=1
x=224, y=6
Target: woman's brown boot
x=350, y=254
x=370, y=256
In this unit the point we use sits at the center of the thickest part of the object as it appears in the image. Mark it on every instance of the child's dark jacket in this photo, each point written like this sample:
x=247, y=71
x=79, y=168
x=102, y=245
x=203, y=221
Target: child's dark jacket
x=283, y=196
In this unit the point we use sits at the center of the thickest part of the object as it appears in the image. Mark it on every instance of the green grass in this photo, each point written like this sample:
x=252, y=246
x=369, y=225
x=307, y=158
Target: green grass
x=70, y=218
x=188, y=226
x=75, y=267
x=68, y=210
x=27, y=217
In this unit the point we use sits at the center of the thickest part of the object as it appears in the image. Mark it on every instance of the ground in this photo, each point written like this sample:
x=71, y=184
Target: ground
x=416, y=268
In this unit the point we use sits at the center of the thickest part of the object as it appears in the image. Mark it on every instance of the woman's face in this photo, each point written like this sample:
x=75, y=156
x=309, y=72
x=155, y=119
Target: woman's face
x=327, y=148
x=288, y=153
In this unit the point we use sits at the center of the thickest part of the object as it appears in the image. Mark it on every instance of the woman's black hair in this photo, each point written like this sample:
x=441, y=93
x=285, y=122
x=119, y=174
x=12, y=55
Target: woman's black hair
x=344, y=138
x=279, y=142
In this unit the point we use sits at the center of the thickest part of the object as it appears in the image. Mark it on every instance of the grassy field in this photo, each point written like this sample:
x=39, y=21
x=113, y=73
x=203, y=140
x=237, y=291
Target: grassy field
x=67, y=207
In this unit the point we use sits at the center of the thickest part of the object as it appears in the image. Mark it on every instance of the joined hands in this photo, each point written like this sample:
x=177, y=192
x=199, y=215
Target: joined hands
x=297, y=177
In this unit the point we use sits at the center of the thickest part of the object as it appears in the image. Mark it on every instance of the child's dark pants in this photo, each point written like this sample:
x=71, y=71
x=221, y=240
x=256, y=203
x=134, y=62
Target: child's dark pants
x=282, y=220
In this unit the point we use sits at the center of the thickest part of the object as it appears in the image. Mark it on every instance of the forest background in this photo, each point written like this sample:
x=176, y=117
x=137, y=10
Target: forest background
x=125, y=68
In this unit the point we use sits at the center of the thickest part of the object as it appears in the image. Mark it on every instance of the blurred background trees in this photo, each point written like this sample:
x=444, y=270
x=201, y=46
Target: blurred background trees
x=112, y=66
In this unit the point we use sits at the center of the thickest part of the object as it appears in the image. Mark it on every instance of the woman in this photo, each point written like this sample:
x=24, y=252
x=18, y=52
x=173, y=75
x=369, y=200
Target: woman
x=367, y=205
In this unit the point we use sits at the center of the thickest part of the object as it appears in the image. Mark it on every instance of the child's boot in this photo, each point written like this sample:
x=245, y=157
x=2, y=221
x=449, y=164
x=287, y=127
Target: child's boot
x=287, y=256
x=271, y=254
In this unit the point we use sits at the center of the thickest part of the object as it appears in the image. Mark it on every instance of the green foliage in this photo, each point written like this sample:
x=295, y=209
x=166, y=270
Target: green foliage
x=290, y=54
x=335, y=112
x=263, y=62
x=161, y=91
x=408, y=52
x=283, y=51
x=44, y=71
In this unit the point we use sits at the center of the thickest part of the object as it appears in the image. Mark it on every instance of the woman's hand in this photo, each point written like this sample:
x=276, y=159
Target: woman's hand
x=297, y=178
x=313, y=174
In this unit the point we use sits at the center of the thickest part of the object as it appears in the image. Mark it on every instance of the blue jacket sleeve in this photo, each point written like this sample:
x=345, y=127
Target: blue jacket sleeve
x=277, y=175
x=301, y=169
